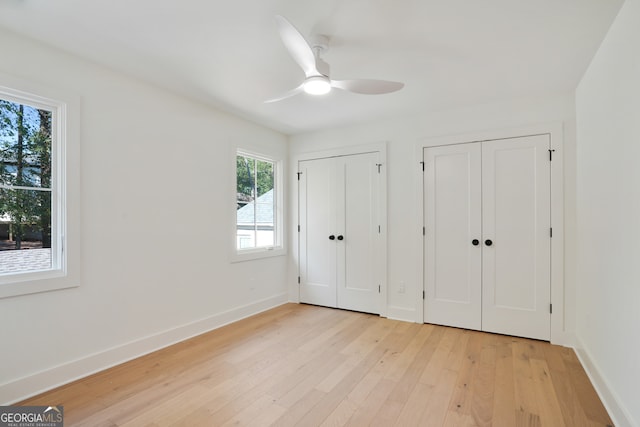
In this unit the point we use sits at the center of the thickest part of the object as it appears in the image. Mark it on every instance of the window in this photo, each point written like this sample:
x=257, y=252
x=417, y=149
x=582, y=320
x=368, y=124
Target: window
x=25, y=187
x=257, y=204
x=33, y=214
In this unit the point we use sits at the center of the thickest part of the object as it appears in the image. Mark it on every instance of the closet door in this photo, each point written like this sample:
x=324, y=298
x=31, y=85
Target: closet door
x=516, y=237
x=339, y=238
x=453, y=253
x=357, y=224
x=317, y=219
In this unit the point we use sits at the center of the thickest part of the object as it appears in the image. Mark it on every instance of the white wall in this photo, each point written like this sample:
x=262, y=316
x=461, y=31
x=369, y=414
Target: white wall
x=608, y=206
x=156, y=177
x=403, y=136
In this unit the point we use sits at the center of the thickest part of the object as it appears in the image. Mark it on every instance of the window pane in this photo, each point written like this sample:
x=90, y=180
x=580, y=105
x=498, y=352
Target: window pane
x=265, y=219
x=25, y=145
x=245, y=172
x=25, y=230
x=264, y=179
x=255, y=218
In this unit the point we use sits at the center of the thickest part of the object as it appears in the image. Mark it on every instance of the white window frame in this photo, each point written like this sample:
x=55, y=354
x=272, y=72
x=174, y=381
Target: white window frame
x=278, y=248
x=65, y=179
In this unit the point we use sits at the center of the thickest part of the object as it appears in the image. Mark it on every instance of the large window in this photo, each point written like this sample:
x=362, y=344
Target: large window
x=257, y=207
x=32, y=193
x=25, y=187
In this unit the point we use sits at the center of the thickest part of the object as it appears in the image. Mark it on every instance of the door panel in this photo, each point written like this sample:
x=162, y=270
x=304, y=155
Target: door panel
x=357, y=201
x=453, y=219
x=317, y=223
x=516, y=218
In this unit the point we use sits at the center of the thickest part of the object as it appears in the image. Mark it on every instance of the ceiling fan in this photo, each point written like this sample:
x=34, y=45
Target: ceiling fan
x=317, y=78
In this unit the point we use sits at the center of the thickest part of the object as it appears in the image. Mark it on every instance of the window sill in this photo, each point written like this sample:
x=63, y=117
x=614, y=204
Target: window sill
x=254, y=254
x=36, y=282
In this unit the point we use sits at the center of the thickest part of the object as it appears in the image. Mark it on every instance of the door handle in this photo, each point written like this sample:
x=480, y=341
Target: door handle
x=475, y=242
x=332, y=237
x=341, y=237
x=488, y=242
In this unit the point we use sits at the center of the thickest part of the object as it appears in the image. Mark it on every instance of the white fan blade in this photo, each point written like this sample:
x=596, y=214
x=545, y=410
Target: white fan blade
x=297, y=46
x=367, y=87
x=292, y=92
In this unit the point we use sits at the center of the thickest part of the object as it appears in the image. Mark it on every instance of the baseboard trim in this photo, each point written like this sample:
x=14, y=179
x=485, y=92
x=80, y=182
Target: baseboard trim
x=31, y=385
x=565, y=339
x=401, y=313
x=619, y=414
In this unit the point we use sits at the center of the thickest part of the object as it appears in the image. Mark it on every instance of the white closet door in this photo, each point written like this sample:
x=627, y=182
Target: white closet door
x=453, y=221
x=339, y=218
x=516, y=240
x=357, y=231
x=317, y=219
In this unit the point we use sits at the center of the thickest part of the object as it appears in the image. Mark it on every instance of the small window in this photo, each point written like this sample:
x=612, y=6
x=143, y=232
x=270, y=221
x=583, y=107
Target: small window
x=257, y=204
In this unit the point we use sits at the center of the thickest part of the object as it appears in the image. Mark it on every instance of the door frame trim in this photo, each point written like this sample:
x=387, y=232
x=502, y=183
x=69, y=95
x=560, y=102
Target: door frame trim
x=381, y=251
x=555, y=130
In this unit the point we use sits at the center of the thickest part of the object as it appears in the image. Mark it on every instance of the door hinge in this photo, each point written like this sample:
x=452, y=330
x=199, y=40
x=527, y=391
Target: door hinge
x=551, y=232
x=551, y=308
x=551, y=155
x=422, y=163
x=424, y=231
x=379, y=230
x=379, y=165
x=298, y=173
x=378, y=288
x=298, y=280
x=423, y=295
x=298, y=228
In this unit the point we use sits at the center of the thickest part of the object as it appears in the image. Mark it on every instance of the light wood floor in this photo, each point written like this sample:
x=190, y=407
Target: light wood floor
x=300, y=365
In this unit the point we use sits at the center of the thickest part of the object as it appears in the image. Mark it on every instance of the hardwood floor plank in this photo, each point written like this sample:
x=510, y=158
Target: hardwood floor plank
x=572, y=412
x=164, y=413
x=368, y=411
x=341, y=415
x=415, y=405
x=407, y=357
x=296, y=412
x=525, y=396
x=483, y=384
x=458, y=352
x=456, y=419
x=375, y=387
x=589, y=400
x=461, y=400
x=330, y=401
x=327, y=334
x=549, y=408
x=397, y=365
x=504, y=412
x=291, y=387
x=262, y=412
x=409, y=391
x=436, y=409
x=300, y=365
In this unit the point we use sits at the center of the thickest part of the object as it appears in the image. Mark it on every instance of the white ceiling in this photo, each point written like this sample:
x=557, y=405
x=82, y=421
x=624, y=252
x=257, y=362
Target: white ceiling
x=449, y=53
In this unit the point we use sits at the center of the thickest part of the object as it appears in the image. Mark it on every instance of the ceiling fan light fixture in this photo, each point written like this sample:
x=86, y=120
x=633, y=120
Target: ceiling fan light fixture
x=317, y=71
x=317, y=85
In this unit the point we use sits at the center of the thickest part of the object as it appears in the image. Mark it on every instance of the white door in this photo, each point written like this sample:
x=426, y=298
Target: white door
x=357, y=223
x=516, y=219
x=317, y=259
x=487, y=241
x=338, y=237
x=452, y=221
